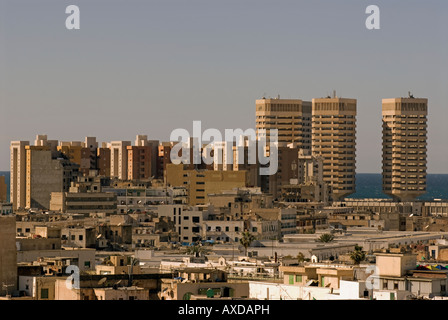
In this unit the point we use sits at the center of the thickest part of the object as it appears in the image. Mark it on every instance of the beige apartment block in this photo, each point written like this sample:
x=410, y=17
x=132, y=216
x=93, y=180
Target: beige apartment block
x=119, y=159
x=291, y=117
x=404, y=147
x=18, y=174
x=45, y=175
x=334, y=139
x=201, y=183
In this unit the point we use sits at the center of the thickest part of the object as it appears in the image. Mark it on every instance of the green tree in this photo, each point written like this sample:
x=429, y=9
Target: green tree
x=357, y=255
x=197, y=250
x=246, y=240
x=326, y=237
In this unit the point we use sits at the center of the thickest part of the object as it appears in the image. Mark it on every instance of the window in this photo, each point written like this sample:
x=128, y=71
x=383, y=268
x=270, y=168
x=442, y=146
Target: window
x=291, y=279
x=186, y=217
x=87, y=264
x=80, y=237
x=299, y=278
x=44, y=293
x=73, y=237
x=196, y=219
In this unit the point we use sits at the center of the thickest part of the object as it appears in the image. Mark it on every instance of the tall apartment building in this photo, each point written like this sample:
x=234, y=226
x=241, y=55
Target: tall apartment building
x=286, y=169
x=46, y=174
x=42, y=141
x=153, y=145
x=163, y=158
x=92, y=145
x=291, y=117
x=309, y=186
x=119, y=159
x=76, y=153
x=18, y=174
x=404, y=147
x=334, y=139
x=139, y=162
x=103, y=160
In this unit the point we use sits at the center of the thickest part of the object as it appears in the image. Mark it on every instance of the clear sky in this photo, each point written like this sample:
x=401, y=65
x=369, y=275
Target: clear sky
x=148, y=67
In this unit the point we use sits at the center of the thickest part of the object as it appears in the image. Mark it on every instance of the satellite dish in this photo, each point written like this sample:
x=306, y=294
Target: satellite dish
x=102, y=281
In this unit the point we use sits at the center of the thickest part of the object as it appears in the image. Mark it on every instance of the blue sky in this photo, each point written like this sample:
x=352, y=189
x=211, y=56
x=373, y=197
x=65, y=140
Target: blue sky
x=148, y=67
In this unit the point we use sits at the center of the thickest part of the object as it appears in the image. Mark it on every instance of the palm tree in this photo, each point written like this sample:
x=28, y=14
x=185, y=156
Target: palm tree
x=196, y=250
x=132, y=262
x=300, y=257
x=326, y=237
x=246, y=240
x=357, y=255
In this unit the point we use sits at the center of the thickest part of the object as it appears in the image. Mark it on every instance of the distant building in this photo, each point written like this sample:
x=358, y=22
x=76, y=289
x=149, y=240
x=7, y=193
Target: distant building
x=201, y=183
x=291, y=117
x=405, y=147
x=46, y=174
x=18, y=174
x=139, y=162
x=103, y=160
x=119, y=159
x=334, y=139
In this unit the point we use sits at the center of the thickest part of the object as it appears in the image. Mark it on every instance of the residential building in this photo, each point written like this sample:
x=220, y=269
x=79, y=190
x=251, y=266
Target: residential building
x=291, y=117
x=405, y=147
x=201, y=183
x=103, y=160
x=18, y=174
x=84, y=202
x=334, y=139
x=46, y=174
x=119, y=159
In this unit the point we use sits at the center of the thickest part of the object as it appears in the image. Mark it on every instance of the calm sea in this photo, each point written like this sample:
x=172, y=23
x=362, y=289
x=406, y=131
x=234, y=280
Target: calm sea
x=368, y=185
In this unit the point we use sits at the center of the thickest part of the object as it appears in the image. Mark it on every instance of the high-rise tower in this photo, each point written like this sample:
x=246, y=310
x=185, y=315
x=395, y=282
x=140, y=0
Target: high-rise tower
x=334, y=139
x=404, y=147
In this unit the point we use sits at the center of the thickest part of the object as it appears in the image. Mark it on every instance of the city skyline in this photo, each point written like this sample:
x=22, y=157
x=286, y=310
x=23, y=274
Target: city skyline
x=149, y=68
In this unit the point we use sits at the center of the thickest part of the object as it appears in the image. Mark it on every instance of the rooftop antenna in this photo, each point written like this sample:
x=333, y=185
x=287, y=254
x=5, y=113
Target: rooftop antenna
x=334, y=93
x=410, y=95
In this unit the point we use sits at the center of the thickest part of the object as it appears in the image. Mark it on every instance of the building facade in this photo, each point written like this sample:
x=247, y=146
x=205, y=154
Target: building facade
x=404, y=147
x=334, y=139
